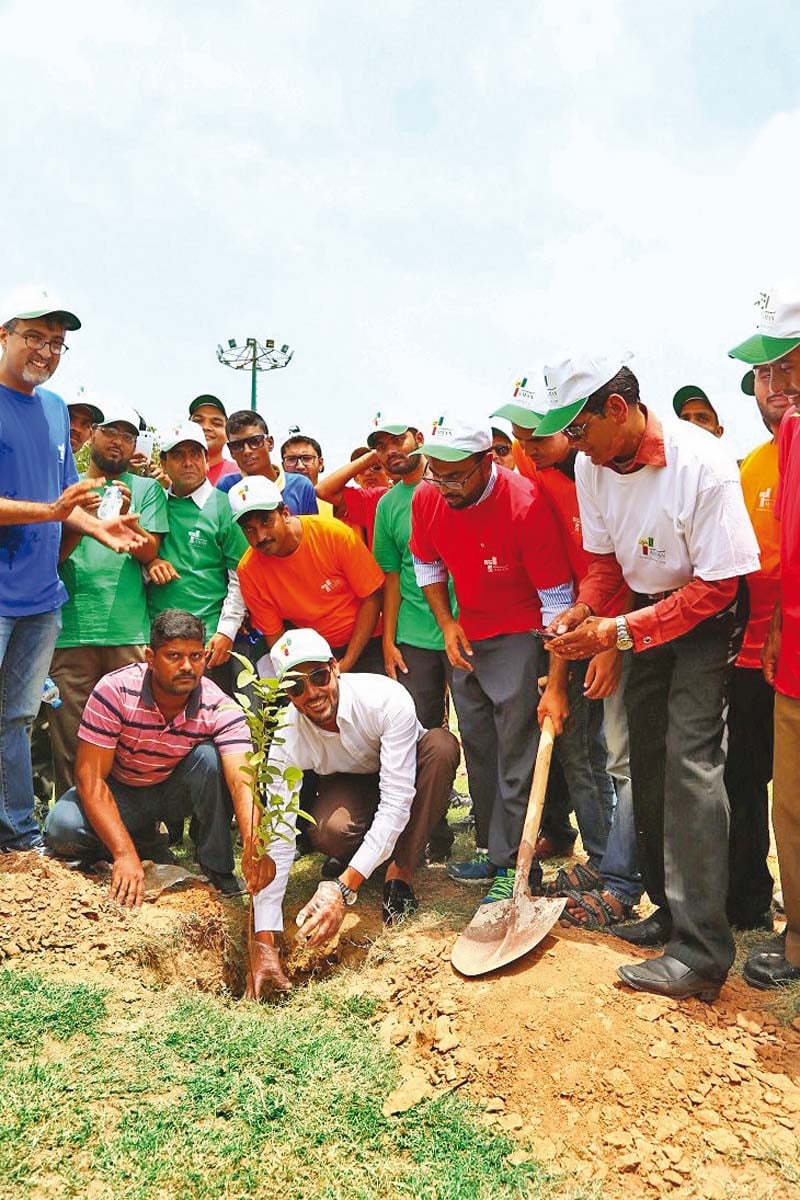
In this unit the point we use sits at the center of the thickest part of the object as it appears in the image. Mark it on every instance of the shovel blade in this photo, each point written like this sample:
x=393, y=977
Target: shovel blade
x=160, y=876
x=502, y=932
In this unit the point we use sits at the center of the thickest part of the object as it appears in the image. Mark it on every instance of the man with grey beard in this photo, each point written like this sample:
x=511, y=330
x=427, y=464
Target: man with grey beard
x=39, y=495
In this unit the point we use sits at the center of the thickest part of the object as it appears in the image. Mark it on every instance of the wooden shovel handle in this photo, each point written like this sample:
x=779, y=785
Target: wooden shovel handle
x=533, y=813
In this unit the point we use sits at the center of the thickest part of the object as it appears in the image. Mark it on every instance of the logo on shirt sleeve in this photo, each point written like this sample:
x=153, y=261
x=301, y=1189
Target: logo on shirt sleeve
x=649, y=550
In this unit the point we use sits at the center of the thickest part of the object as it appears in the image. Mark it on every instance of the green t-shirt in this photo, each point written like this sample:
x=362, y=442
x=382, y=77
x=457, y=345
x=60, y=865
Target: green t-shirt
x=416, y=624
x=107, y=604
x=203, y=544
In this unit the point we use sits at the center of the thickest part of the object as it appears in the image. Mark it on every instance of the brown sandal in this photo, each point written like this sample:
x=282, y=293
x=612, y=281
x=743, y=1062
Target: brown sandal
x=597, y=909
x=577, y=878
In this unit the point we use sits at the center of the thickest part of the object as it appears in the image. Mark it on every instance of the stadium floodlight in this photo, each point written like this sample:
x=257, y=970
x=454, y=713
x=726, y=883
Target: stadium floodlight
x=254, y=356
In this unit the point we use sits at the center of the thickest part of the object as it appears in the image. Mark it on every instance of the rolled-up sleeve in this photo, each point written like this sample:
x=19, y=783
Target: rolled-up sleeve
x=429, y=572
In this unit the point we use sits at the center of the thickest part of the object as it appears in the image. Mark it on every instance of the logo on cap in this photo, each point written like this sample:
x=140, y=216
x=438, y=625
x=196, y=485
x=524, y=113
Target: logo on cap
x=440, y=429
x=767, y=312
x=285, y=647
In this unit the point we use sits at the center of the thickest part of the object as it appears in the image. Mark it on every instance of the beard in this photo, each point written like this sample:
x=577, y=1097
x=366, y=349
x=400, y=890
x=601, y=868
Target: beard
x=34, y=376
x=110, y=466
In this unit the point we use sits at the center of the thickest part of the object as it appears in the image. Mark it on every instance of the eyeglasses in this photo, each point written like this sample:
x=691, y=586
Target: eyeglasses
x=502, y=450
x=575, y=433
x=293, y=460
x=450, y=485
x=35, y=341
x=124, y=435
x=249, y=443
x=297, y=682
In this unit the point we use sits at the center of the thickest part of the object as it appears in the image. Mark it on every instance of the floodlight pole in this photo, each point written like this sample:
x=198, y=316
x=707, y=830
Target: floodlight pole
x=256, y=357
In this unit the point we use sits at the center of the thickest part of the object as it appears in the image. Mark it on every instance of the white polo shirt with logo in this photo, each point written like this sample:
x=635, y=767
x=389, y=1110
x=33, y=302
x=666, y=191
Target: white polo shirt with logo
x=667, y=525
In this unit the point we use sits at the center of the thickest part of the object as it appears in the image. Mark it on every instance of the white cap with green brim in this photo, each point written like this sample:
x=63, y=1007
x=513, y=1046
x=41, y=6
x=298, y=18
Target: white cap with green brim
x=187, y=431
x=391, y=422
x=569, y=386
x=526, y=406
x=81, y=401
x=30, y=303
x=119, y=413
x=254, y=493
x=296, y=647
x=777, y=332
x=454, y=438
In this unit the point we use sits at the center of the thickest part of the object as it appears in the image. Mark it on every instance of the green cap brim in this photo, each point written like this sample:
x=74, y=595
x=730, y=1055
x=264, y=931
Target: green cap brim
x=519, y=415
x=201, y=401
x=558, y=418
x=97, y=417
x=685, y=394
x=748, y=384
x=68, y=319
x=395, y=430
x=759, y=349
x=259, y=506
x=445, y=453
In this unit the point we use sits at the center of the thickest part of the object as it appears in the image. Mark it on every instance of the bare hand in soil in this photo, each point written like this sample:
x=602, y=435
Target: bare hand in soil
x=258, y=872
x=127, y=881
x=265, y=972
x=321, y=918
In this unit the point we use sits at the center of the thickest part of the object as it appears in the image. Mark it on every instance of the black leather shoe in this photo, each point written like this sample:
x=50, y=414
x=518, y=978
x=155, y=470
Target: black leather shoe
x=332, y=868
x=668, y=976
x=770, y=970
x=399, y=902
x=763, y=920
x=227, y=884
x=652, y=931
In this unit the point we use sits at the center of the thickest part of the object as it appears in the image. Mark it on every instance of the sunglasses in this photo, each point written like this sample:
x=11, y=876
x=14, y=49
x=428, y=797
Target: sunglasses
x=502, y=449
x=297, y=682
x=249, y=443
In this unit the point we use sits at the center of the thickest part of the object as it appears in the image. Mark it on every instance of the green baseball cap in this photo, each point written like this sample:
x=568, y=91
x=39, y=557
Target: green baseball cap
x=777, y=332
x=569, y=386
x=455, y=438
x=526, y=406
x=200, y=401
x=30, y=303
x=688, y=392
x=391, y=422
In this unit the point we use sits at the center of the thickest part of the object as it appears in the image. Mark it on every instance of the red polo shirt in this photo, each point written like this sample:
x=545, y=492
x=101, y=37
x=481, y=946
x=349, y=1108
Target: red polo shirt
x=500, y=552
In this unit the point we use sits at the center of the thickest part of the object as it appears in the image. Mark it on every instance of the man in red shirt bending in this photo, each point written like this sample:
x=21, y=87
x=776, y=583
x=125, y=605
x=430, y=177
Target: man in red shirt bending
x=497, y=537
x=776, y=346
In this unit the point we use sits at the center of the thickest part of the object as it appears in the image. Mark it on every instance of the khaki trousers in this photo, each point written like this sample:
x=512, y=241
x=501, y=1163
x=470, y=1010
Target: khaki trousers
x=786, y=815
x=76, y=670
x=345, y=804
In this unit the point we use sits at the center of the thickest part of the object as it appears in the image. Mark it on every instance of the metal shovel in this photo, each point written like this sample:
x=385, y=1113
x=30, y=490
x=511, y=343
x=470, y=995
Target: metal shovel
x=501, y=932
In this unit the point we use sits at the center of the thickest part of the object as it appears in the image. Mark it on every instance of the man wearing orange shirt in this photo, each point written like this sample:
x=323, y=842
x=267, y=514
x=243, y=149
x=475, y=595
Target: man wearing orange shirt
x=748, y=769
x=311, y=572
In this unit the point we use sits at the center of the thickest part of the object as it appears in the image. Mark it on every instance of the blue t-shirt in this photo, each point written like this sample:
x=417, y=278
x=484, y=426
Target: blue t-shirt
x=298, y=493
x=36, y=463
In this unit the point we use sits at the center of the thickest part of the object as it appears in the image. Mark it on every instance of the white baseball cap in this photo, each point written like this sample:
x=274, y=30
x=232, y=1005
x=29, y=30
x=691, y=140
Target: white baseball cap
x=299, y=646
x=29, y=303
x=187, y=431
x=777, y=332
x=117, y=412
x=527, y=404
x=389, y=422
x=570, y=384
x=254, y=493
x=455, y=438
x=81, y=400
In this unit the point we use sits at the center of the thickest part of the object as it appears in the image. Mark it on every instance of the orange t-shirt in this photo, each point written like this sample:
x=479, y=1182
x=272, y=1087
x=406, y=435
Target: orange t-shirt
x=320, y=586
x=760, y=484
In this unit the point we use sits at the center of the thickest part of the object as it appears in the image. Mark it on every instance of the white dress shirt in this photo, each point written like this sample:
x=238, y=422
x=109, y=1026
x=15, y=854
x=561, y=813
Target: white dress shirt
x=378, y=733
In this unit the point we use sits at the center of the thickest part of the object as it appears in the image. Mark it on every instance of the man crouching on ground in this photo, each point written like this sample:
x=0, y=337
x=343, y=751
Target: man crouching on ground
x=158, y=739
x=384, y=782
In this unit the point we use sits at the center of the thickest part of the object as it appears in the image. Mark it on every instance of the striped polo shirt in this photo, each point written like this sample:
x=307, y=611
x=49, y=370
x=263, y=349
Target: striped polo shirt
x=122, y=715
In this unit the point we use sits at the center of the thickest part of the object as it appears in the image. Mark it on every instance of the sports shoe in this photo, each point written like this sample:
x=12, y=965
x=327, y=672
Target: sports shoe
x=478, y=870
x=502, y=887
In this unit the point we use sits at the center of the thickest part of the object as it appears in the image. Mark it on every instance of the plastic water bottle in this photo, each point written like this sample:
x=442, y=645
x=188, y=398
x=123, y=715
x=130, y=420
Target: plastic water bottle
x=111, y=503
x=50, y=693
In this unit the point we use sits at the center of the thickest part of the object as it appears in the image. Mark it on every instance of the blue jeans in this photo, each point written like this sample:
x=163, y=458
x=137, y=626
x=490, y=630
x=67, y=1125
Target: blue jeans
x=196, y=786
x=26, y=648
x=620, y=865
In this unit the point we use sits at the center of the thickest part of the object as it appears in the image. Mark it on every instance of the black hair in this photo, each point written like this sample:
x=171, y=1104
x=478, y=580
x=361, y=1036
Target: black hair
x=243, y=419
x=624, y=384
x=295, y=440
x=175, y=624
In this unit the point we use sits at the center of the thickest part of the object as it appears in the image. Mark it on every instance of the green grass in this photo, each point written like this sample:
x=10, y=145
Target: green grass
x=188, y=1097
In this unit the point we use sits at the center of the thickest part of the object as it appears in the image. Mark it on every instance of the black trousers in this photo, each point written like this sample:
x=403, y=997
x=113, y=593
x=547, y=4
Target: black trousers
x=748, y=771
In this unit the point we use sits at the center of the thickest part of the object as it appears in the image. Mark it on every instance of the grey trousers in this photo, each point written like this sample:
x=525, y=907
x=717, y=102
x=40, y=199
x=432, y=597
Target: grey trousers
x=676, y=701
x=428, y=677
x=496, y=704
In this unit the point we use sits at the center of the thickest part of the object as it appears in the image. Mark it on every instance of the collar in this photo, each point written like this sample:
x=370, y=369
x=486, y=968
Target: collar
x=199, y=495
x=487, y=491
x=190, y=708
x=650, y=452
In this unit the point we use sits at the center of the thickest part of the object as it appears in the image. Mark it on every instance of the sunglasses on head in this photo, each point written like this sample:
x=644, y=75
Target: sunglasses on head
x=296, y=682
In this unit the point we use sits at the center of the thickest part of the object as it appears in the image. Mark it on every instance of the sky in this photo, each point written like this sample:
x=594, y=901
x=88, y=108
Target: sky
x=424, y=201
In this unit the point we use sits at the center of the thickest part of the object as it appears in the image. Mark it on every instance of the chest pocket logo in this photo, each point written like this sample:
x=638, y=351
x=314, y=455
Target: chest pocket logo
x=196, y=538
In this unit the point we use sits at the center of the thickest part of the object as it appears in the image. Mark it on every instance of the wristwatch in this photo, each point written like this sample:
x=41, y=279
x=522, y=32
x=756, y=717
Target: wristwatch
x=348, y=894
x=624, y=639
